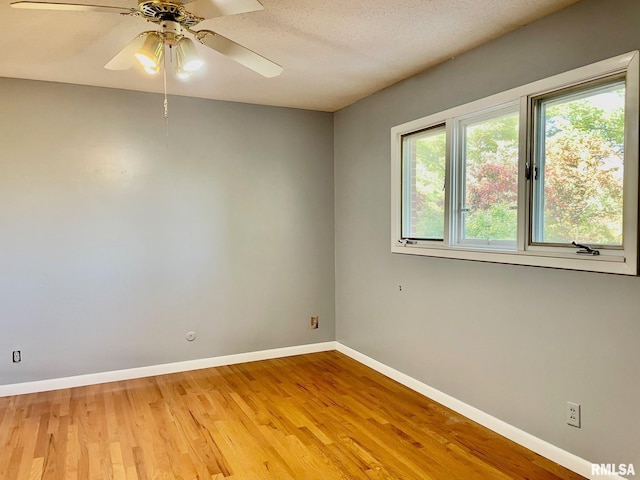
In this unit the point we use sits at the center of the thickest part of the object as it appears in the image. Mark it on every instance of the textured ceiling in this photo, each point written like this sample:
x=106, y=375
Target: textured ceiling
x=333, y=52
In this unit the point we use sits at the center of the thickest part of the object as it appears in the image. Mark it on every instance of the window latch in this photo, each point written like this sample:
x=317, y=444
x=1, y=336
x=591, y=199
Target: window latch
x=527, y=172
x=585, y=249
x=405, y=241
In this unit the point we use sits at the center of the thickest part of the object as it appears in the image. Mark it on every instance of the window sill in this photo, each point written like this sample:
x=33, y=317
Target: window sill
x=602, y=263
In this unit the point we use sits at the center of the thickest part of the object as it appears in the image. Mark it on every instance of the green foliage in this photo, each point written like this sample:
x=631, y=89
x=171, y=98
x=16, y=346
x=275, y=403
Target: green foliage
x=491, y=179
x=487, y=137
x=583, y=171
x=430, y=172
x=497, y=222
x=582, y=190
x=584, y=116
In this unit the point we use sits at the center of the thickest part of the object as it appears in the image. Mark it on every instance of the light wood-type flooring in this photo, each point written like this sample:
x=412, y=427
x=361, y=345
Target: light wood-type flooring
x=320, y=416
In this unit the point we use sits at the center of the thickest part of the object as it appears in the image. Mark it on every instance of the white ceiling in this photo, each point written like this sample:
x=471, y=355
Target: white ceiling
x=333, y=52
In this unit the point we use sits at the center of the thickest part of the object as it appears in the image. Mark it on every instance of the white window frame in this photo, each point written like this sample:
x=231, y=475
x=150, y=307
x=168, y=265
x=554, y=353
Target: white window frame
x=619, y=261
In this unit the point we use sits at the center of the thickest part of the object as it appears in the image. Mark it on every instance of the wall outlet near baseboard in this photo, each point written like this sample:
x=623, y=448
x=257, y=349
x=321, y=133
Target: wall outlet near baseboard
x=573, y=414
x=314, y=322
x=17, y=356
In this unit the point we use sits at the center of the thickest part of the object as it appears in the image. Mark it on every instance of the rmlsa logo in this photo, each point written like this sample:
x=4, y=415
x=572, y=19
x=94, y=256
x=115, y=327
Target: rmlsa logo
x=612, y=469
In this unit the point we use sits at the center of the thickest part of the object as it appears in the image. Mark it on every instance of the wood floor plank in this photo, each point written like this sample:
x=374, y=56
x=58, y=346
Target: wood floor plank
x=318, y=416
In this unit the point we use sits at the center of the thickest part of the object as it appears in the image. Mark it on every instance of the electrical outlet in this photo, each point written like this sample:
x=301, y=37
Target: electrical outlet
x=314, y=322
x=17, y=356
x=573, y=414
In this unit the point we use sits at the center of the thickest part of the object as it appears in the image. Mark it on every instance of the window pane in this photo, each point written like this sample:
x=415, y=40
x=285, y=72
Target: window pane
x=490, y=166
x=423, y=167
x=579, y=158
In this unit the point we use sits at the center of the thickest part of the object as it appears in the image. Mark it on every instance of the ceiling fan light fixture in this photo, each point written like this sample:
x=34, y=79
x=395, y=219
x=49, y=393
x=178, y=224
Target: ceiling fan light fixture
x=182, y=74
x=187, y=57
x=152, y=70
x=151, y=53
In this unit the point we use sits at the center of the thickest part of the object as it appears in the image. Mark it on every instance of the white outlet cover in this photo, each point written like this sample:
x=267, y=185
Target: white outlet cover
x=573, y=414
x=191, y=336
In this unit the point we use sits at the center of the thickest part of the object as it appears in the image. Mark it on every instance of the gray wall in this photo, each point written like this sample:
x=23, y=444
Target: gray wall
x=516, y=342
x=117, y=240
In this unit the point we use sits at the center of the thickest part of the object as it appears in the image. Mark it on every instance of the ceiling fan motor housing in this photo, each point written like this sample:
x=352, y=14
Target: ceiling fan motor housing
x=161, y=11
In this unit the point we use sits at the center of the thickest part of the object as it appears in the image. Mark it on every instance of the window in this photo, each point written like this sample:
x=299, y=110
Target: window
x=423, y=168
x=545, y=174
x=579, y=165
x=488, y=179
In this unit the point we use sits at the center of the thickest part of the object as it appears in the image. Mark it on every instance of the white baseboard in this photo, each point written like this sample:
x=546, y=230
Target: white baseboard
x=114, y=376
x=535, y=444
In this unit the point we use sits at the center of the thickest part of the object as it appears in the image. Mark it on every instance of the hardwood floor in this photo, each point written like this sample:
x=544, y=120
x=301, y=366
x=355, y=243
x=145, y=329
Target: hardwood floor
x=319, y=416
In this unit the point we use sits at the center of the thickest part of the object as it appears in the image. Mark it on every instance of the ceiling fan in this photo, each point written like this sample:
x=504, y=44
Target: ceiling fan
x=175, y=20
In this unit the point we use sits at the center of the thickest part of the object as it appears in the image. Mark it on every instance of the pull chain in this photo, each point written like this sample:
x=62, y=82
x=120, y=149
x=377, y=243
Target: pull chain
x=166, y=101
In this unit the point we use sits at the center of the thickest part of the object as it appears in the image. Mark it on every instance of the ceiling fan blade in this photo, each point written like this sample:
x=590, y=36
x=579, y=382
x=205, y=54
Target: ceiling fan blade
x=70, y=6
x=240, y=54
x=125, y=58
x=220, y=8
